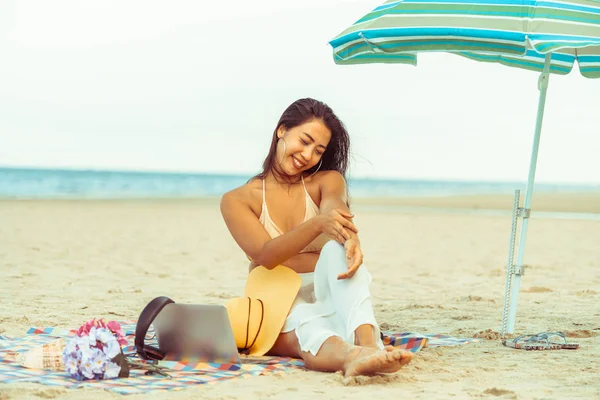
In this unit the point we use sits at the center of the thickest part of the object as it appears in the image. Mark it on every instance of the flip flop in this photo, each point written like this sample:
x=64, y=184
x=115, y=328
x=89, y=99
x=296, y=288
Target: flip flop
x=557, y=339
x=541, y=341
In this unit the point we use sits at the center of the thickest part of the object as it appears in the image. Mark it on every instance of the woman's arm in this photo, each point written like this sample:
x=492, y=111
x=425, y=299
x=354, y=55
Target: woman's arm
x=255, y=241
x=301, y=263
x=335, y=196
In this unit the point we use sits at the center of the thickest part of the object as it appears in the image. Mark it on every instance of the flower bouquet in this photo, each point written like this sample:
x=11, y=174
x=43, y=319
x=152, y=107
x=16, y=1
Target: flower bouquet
x=95, y=352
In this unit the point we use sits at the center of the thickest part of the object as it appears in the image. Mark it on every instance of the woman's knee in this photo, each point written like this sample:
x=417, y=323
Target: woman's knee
x=332, y=259
x=333, y=251
x=332, y=246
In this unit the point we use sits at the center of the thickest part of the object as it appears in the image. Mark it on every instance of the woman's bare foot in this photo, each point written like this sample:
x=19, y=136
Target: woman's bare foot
x=368, y=361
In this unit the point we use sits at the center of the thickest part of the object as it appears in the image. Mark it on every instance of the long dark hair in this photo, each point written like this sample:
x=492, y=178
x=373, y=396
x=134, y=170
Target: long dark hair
x=301, y=111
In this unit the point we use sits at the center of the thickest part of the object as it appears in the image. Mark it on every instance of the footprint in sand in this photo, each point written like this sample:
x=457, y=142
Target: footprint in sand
x=537, y=289
x=488, y=334
x=221, y=295
x=472, y=298
x=462, y=318
x=588, y=292
x=49, y=393
x=477, y=298
x=500, y=392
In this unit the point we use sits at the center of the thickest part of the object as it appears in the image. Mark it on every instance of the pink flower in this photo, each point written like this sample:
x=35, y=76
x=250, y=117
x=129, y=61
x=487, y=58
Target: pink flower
x=116, y=329
x=84, y=329
x=113, y=326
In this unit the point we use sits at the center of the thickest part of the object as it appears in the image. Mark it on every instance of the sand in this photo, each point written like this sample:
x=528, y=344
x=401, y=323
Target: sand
x=436, y=270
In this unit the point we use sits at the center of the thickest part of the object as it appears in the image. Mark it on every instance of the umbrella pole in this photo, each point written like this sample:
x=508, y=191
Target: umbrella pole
x=518, y=268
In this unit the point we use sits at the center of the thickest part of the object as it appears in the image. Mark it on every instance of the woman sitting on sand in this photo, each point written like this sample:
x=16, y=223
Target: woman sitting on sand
x=295, y=213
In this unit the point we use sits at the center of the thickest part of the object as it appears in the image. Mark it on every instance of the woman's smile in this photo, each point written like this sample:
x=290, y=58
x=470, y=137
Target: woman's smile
x=297, y=163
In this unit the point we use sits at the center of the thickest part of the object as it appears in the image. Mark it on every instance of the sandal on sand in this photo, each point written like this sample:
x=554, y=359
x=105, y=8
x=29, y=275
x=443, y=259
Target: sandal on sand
x=541, y=341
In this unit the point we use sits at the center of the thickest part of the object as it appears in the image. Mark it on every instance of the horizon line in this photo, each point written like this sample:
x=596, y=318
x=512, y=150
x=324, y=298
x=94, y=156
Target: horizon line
x=248, y=174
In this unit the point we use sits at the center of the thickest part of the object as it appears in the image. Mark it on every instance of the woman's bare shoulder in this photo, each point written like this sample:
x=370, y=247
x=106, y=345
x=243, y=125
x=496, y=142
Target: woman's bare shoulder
x=327, y=178
x=249, y=194
x=317, y=183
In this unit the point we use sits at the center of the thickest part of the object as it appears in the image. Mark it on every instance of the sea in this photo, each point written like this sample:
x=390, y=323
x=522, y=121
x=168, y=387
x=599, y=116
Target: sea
x=36, y=183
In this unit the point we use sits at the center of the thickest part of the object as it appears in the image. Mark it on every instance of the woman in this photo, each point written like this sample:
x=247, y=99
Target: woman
x=295, y=213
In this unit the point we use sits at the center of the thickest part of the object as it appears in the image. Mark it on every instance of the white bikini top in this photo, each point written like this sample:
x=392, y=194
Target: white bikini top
x=311, y=210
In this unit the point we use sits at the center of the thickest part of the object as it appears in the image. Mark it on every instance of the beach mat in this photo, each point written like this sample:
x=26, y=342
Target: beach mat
x=183, y=374
x=414, y=341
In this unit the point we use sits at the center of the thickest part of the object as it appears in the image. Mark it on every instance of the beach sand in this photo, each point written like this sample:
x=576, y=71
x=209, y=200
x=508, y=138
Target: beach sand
x=434, y=271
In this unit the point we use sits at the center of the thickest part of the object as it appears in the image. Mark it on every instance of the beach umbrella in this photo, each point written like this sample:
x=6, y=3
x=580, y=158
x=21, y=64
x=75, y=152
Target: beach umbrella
x=543, y=36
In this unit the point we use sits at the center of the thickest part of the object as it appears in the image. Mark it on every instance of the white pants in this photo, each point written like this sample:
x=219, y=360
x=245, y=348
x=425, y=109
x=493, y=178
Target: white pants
x=326, y=306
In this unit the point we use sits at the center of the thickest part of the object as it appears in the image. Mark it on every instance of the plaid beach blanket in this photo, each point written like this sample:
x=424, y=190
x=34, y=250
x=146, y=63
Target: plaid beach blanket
x=183, y=374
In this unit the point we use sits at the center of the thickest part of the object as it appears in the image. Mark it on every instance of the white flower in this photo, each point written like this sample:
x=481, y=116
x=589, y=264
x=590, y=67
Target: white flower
x=112, y=370
x=84, y=348
x=112, y=348
x=104, y=335
x=98, y=362
x=70, y=351
x=71, y=347
x=81, y=342
x=91, y=337
x=71, y=366
x=87, y=368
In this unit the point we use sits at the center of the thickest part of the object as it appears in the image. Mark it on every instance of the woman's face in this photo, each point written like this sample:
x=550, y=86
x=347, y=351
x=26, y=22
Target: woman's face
x=304, y=146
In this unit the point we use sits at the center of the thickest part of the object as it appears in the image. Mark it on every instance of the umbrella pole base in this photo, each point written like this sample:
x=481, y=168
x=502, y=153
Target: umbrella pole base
x=511, y=268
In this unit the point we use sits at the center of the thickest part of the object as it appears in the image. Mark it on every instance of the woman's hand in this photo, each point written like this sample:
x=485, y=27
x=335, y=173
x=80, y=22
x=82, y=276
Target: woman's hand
x=336, y=224
x=354, y=257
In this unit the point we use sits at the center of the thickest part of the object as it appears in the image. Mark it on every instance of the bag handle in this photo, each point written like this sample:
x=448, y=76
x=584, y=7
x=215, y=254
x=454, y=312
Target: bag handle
x=262, y=316
x=143, y=324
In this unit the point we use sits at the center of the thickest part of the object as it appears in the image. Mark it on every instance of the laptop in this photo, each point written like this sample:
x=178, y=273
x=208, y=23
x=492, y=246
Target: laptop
x=199, y=332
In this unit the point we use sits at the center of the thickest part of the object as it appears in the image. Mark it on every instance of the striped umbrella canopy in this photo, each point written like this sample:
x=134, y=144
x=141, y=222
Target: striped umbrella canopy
x=545, y=36
x=517, y=33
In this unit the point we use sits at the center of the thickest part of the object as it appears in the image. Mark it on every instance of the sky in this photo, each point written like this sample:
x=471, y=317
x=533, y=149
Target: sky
x=198, y=86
